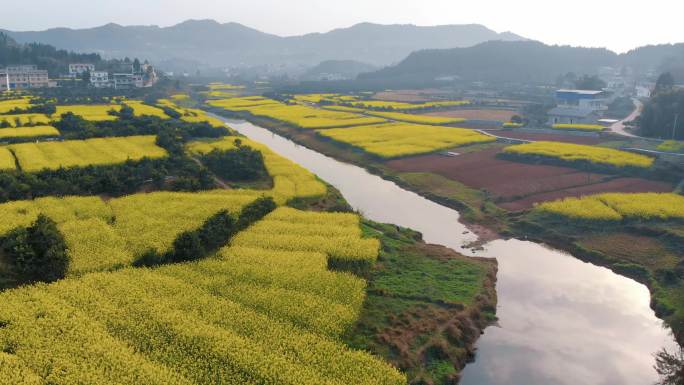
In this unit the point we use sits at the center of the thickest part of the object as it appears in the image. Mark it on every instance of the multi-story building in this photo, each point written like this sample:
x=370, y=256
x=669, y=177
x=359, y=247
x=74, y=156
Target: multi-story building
x=578, y=107
x=23, y=77
x=124, y=81
x=76, y=69
x=100, y=79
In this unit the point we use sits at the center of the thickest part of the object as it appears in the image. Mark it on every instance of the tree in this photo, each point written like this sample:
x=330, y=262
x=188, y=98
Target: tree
x=255, y=211
x=137, y=68
x=187, y=247
x=588, y=82
x=37, y=253
x=665, y=83
x=670, y=367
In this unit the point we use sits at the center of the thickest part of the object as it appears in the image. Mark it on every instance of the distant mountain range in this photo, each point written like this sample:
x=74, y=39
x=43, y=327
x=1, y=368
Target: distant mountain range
x=209, y=43
x=527, y=62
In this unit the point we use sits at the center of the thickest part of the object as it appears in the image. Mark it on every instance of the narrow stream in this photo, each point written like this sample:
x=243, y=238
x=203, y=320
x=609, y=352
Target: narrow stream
x=561, y=320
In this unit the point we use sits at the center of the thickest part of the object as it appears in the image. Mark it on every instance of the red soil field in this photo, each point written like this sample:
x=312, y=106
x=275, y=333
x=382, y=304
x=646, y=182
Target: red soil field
x=481, y=114
x=577, y=139
x=518, y=186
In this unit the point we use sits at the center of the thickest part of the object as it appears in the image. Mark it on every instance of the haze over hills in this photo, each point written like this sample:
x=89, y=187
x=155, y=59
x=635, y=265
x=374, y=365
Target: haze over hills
x=522, y=62
x=210, y=43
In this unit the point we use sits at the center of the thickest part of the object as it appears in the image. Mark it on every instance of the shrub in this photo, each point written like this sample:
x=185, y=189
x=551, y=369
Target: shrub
x=217, y=230
x=187, y=247
x=255, y=211
x=240, y=164
x=37, y=253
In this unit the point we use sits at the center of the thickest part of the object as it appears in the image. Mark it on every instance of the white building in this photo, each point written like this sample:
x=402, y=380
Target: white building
x=76, y=69
x=23, y=77
x=99, y=79
x=578, y=107
x=127, y=81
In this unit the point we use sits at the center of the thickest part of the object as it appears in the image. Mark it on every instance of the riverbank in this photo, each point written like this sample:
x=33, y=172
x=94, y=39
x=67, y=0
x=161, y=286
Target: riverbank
x=480, y=212
x=426, y=305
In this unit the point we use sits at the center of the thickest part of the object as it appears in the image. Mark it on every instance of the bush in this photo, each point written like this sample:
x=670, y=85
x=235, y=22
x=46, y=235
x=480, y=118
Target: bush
x=37, y=253
x=217, y=230
x=255, y=211
x=240, y=164
x=187, y=247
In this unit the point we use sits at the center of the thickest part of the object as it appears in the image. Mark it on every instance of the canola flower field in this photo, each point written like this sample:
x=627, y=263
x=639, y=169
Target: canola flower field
x=289, y=179
x=25, y=119
x=121, y=229
x=170, y=326
x=190, y=115
x=95, y=112
x=412, y=118
x=579, y=127
x=78, y=153
x=108, y=323
x=581, y=153
x=28, y=132
x=401, y=106
x=142, y=109
x=618, y=206
x=10, y=104
x=671, y=146
x=7, y=161
x=296, y=115
x=401, y=139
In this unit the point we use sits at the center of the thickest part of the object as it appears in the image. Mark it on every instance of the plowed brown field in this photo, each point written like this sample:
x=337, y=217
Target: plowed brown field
x=518, y=186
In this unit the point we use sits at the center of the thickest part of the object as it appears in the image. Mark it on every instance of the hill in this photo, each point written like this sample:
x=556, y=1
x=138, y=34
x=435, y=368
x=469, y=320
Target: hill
x=211, y=43
x=337, y=69
x=528, y=62
x=43, y=55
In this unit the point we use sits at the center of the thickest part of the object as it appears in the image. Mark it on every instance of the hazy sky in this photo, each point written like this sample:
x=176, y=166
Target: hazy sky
x=618, y=25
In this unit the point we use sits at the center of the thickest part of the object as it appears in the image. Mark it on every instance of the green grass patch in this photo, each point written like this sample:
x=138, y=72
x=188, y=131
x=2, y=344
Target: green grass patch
x=426, y=305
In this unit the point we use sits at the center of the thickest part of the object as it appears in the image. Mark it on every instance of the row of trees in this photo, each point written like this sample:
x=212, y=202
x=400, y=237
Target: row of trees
x=214, y=233
x=663, y=114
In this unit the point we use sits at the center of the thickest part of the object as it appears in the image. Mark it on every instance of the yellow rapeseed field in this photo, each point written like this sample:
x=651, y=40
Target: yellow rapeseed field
x=671, y=146
x=401, y=139
x=28, y=132
x=289, y=179
x=78, y=153
x=241, y=104
x=298, y=115
x=94, y=112
x=401, y=106
x=412, y=118
x=6, y=160
x=576, y=152
x=25, y=119
x=618, y=206
x=8, y=105
x=142, y=109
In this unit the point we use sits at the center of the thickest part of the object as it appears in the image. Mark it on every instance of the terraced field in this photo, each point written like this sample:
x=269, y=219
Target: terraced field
x=28, y=132
x=94, y=112
x=78, y=153
x=401, y=139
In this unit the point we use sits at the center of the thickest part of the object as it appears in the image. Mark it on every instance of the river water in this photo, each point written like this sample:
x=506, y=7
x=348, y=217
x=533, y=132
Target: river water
x=561, y=320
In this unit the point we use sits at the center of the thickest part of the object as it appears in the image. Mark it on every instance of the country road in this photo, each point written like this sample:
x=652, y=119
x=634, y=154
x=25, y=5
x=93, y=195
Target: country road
x=619, y=127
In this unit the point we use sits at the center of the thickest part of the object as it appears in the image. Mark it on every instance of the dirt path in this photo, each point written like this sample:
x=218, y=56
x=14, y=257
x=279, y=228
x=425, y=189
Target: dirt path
x=218, y=181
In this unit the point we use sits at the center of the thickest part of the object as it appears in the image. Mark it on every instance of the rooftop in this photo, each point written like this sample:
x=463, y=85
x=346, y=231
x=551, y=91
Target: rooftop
x=581, y=92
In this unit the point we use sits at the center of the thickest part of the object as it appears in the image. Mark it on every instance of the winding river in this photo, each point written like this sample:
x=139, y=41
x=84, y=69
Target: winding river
x=561, y=320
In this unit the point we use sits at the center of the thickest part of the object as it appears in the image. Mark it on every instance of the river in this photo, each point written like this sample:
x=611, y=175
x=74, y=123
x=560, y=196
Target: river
x=561, y=320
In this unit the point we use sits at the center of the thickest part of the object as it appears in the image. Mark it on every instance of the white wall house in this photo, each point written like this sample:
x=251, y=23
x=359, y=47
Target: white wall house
x=23, y=77
x=578, y=106
x=76, y=69
x=99, y=79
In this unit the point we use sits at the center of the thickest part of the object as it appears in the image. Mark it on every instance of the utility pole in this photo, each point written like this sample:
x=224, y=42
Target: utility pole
x=674, y=126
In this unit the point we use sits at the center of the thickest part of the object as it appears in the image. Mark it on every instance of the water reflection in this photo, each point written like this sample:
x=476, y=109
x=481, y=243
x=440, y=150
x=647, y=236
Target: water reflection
x=562, y=321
